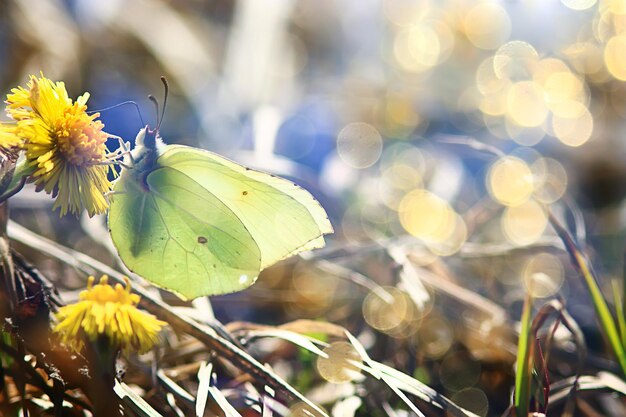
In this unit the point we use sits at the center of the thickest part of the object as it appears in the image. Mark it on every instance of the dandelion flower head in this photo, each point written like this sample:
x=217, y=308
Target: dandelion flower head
x=65, y=147
x=111, y=312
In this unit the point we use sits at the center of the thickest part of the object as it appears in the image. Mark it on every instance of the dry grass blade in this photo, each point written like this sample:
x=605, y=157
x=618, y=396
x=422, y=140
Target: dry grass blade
x=173, y=388
x=603, y=381
x=134, y=401
x=224, y=348
x=563, y=317
x=295, y=338
x=204, y=382
x=346, y=407
x=471, y=143
x=341, y=271
x=222, y=402
x=409, y=276
x=399, y=382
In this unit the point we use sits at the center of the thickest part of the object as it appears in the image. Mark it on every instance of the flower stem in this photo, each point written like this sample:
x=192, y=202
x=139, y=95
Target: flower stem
x=101, y=357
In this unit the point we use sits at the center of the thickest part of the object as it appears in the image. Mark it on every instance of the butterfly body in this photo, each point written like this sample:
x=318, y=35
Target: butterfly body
x=196, y=223
x=143, y=158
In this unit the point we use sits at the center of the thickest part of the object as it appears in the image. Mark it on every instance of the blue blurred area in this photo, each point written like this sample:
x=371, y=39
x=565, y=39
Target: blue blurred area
x=308, y=135
x=108, y=90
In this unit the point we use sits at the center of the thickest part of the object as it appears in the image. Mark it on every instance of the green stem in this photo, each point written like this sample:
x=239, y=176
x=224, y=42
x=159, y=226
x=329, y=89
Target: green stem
x=619, y=310
x=524, y=361
x=101, y=356
x=603, y=312
x=599, y=303
x=18, y=179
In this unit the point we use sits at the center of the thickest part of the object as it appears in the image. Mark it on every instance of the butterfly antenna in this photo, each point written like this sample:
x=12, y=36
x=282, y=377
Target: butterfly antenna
x=124, y=103
x=166, y=93
x=156, y=104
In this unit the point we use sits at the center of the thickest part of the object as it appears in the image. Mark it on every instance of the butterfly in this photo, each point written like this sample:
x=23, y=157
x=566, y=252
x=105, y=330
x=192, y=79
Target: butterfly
x=195, y=223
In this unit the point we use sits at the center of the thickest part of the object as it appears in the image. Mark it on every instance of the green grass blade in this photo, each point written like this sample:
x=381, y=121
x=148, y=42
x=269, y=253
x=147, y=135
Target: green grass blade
x=599, y=303
x=619, y=311
x=523, y=373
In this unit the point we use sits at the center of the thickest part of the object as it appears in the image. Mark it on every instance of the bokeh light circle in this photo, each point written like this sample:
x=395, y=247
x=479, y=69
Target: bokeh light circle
x=341, y=365
x=615, y=57
x=510, y=181
x=487, y=25
x=359, y=145
x=543, y=275
x=388, y=312
x=524, y=224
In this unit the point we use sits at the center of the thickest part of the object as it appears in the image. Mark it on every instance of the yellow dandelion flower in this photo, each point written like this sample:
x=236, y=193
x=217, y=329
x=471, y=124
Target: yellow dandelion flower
x=111, y=312
x=65, y=147
x=8, y=136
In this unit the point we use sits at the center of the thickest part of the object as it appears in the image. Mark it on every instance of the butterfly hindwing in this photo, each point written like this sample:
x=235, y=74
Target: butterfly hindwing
x=180, y=236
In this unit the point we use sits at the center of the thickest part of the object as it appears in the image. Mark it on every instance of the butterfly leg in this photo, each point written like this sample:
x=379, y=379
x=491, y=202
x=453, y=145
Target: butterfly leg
x=110, y=193
x=124, y=148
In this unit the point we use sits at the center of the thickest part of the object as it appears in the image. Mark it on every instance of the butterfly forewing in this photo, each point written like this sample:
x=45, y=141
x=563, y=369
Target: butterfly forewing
x=282, y=218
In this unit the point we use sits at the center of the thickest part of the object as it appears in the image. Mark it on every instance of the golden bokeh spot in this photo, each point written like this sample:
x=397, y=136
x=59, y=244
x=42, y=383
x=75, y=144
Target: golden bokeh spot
x=458, y=370
x=301, y=409
x=563, y=86
x=602, y=26
x=570, y=109
x=426, y=216
x=402, y=176
x=510, y=181
x=446, y=40
x=453, y=242
x=404, y=153
x=515, y=60
x=494, y=104
x=524, y=224
x=386, y=312
x=617, y=7
x=615, y=56
x=472, y=399
x=585, y=57
x=390, y=196
x=543, y=275
x=359, y=145
x=487, y=25
x=405, y=13
x=525, y=104
x=579, y=4
x=573, y=131
x=400, y=118
x=435, y=336
x=417, y=49
x=551, y=180
x=487, y=81
x=546, y=67
x=341, y=365
x=525, y=136
x=313, y=289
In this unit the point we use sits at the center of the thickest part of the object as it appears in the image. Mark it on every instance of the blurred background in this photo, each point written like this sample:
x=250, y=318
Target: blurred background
x=449, y=127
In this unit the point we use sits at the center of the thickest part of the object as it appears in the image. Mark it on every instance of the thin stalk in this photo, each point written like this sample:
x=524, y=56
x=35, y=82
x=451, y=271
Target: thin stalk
x=523, y=373
x=599, y=303
x=619, y=311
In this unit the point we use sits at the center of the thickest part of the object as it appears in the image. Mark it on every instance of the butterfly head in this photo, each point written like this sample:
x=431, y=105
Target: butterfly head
x=145, y=154
x=148, y=138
